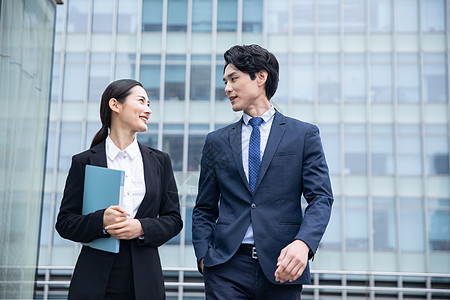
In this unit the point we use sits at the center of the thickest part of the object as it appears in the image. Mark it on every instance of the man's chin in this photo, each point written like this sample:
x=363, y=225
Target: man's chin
x=236, y=108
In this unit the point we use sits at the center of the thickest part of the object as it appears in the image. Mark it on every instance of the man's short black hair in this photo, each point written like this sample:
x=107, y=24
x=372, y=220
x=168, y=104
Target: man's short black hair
x=251, y=59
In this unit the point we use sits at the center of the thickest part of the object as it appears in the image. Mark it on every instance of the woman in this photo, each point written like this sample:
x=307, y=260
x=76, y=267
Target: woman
x=148, y=218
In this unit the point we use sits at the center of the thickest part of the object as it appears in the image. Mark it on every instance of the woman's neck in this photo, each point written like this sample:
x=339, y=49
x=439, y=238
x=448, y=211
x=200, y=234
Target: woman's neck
x=121, y=139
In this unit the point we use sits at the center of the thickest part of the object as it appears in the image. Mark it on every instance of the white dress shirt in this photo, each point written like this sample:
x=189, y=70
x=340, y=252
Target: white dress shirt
x=130, y=161
x=264, y=128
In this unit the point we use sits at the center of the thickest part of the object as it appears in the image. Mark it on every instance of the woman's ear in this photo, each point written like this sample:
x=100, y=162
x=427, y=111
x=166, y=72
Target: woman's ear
x=114, y=105
x=261, y=76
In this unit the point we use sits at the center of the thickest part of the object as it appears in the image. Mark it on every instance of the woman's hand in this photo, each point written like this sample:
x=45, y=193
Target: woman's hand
x=112, y=215
x=126, y=230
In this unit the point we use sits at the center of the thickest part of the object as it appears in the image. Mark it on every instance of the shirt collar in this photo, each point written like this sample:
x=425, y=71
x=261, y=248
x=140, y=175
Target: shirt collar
x=265, y=116
x=112, y=150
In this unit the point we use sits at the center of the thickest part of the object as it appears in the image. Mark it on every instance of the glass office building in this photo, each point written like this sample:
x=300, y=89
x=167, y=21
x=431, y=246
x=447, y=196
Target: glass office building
x=372, y=74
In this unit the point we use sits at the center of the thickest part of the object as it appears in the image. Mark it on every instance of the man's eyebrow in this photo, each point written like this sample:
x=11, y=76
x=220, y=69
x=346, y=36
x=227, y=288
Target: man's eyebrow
x=229, y=75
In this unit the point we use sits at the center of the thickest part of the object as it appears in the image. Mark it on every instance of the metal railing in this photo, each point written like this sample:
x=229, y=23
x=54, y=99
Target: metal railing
x=184, y=282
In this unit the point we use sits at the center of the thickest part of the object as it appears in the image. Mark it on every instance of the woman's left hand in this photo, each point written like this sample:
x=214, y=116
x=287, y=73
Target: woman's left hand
x=126, y=230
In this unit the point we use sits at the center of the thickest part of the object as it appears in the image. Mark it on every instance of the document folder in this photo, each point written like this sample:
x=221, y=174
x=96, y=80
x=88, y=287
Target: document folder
x=103, y=187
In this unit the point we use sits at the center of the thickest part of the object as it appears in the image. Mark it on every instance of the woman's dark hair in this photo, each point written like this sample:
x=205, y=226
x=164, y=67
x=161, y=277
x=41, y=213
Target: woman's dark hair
x=118, y=90
x=251, y=59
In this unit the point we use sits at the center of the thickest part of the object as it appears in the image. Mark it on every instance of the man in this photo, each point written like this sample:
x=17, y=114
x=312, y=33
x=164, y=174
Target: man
x=250, y=236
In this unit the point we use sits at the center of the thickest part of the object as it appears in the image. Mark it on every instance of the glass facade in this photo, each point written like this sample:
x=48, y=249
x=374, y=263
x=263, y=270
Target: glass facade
x=26, y=51
x=373, y=75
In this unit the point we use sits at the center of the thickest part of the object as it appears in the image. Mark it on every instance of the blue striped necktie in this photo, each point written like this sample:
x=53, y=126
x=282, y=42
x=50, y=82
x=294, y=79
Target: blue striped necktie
x=254, y=152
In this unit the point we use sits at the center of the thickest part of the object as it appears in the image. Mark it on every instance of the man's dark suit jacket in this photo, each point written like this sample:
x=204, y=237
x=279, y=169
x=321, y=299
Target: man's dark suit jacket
x=293, y=165
x=158, y=213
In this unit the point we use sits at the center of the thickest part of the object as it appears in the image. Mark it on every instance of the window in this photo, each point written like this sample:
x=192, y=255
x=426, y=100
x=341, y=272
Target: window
x=435, y=77
x=125, y=66
x=70, y=144
x=282, y=92
x=99, y=75
x=302, y=79
x=409, y=159
x=436, y=149
x=200, y=88
x=380, y=15
x=196, y=142
x=303, y=16
x=252, y=16
x=74, y=74
x=102, y=16
x=331, y=146
x=150, y=75
x=439, y=224
x=382, y=150
x=201, y=16
x=355, y=150
x=406, y=15
x=412, y=231
x=177, y=15
x=127, y=16
x=328, y=15
x=381, y=78
x=227, y=15
x=354, y=78
x=175, y=80
x=329, y=78
x=433, y=16
x=152, y=15
x=384, y=224
x=356, y=223
x=408, y=78
x=78, y=16
x=278, y=16
x=354, y=16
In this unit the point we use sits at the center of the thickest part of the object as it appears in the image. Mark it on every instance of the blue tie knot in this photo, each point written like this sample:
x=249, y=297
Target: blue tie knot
x=255, y=121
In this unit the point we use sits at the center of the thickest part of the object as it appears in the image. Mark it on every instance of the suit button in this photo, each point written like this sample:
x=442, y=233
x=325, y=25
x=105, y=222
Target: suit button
x=253, y=205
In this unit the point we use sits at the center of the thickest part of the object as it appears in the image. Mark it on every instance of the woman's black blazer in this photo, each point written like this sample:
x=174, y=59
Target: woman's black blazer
x=159, y=214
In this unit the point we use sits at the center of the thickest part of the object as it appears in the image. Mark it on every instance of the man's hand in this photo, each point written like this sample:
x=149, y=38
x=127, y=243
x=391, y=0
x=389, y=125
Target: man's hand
x=126, y=230
x=292, y=261
x=200, y=263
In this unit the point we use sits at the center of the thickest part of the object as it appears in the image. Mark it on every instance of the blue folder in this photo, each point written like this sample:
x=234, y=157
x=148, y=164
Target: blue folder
x=103, y=187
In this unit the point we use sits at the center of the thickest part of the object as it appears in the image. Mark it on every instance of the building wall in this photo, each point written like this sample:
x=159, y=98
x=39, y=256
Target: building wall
x=26, y=52
x=372, y=74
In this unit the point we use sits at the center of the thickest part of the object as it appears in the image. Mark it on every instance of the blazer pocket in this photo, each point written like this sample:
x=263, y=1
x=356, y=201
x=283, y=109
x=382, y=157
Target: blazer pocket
x=285, y=153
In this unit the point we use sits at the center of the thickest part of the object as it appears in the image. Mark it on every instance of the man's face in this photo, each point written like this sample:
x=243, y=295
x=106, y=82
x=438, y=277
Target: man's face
x=242, y=91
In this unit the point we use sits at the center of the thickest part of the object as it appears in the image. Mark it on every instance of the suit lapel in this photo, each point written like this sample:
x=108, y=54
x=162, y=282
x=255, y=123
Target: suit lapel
x=151, y=176
x=98, y=155
x=275, y=136
x=235, y=137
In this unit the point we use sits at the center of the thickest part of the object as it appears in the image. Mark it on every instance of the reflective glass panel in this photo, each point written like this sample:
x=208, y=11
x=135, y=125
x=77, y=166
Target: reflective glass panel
x=252, y=13
x=70, y=144
x=381, y=78
x=302, y=79
x=433, y=16
x=195, y=148
x=412, y=231
x=100, y=69
x=303, y=15
x=127, y=16
x=356, y=223
x=278, y=18
x=125, y=65
x=435, y=77
x=152, y=15
x=174, y=82
x=354, y=16
x=406, y=16
x=329, y=78
x=384, y=224
x=227, y=15
x=220, y=86
x=78, y=16
x=380, y=15
x=177, y=15
x=328, y=15
x=436, y=150
x=74, y=74
x=355, y=150
x=102, y=16
x=354, y=78
x=150, y=75
x=282, y=92
x=409, y=159
x=439, y=224
x=331, y=146
x=173, y=144
x=382, y=145
x=408, y=78
x=200, y=81
x=201, y=16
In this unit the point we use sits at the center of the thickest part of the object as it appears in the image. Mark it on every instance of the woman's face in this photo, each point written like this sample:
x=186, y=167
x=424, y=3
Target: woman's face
x=134, y=112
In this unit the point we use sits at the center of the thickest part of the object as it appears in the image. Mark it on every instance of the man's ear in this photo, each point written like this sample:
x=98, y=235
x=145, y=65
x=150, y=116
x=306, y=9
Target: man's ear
x=261, y=76
x=114, y=105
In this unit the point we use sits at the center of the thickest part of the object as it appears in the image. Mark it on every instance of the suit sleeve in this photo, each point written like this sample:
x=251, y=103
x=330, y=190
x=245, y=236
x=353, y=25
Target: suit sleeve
x=168, y=224
x=206, y=208
x=71, y=224
x=316, y=190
